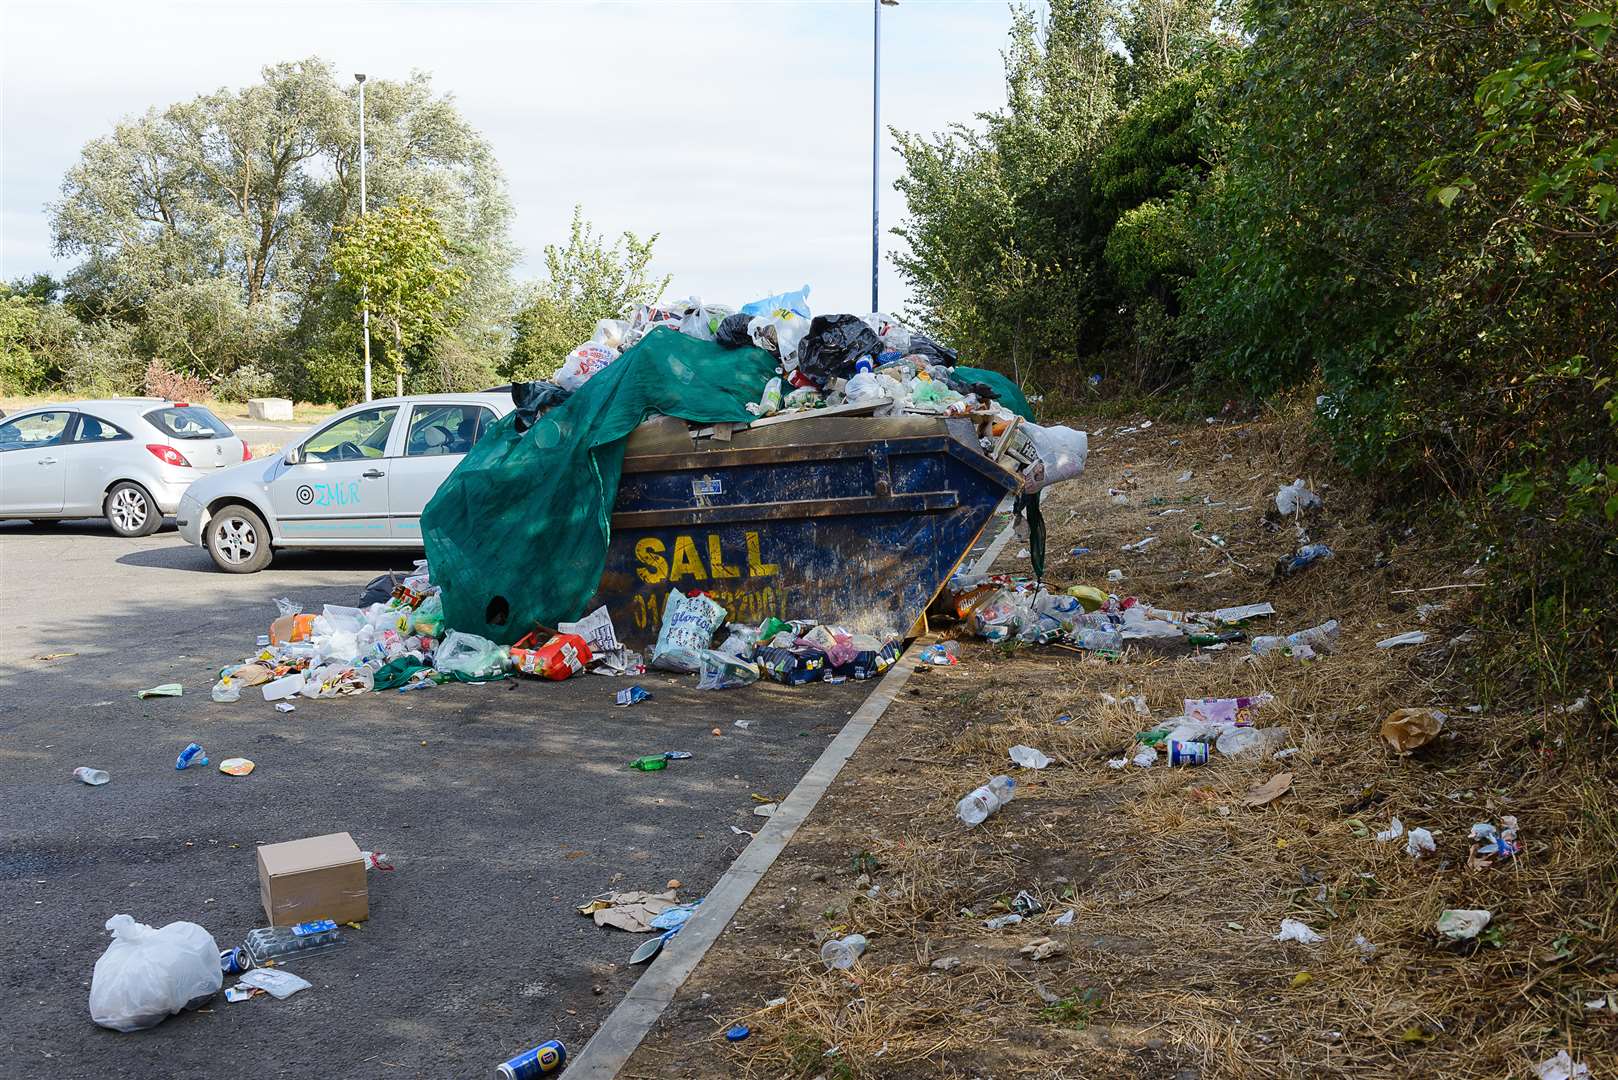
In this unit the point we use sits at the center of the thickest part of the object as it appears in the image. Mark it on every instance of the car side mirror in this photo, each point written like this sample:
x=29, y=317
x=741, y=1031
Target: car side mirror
x=293, y=456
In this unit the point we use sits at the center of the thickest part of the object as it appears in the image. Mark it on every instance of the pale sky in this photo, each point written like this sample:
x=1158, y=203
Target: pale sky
x=739, y=131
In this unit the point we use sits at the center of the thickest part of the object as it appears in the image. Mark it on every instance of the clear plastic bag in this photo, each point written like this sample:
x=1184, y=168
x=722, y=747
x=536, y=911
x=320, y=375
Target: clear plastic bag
x=724, y=671
x=429, y=617
x=611, y=333
x=780, y=334
x=469, y=656
x=148, y=975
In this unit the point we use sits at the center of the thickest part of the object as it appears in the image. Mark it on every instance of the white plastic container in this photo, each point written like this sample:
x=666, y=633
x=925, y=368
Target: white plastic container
x=284, y=687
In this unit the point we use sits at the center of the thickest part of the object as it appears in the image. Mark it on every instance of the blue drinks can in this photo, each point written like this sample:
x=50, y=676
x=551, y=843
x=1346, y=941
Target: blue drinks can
x=545, y=1058
x=862, y=364
x=234, y=961
x=1182, y=752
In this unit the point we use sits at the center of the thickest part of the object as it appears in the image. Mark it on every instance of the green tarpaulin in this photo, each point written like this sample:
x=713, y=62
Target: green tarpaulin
x=517, y=535
x=1006, y=392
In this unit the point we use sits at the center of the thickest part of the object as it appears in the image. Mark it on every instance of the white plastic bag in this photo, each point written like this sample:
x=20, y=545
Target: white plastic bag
x=1061, y=450
x=611, y=333
x=1294, y=497
x=895, y=338
x=688, y=628
x=867, y=387
x=780, y=334
x=584, y=362
x=702, y=320
x=147, y=975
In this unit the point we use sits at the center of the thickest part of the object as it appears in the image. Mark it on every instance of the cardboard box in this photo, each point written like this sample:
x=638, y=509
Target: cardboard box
x=322, y=877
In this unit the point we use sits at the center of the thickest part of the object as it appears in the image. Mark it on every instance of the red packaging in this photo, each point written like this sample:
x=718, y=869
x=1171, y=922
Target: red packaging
x=562, y=657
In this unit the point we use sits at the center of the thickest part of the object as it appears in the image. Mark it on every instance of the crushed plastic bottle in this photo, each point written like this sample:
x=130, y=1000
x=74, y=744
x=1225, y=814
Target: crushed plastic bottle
x=1307, y=555
x=975, y=808
x=840, y=954
x=1319, y=639
x=93, y=777
x=191, y=755
x=1098, y=640
x=227, y=690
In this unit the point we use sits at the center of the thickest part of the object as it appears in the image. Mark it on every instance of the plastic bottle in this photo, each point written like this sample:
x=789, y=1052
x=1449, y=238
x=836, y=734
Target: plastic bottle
x=93, y=777
x=839, y=954
x=1322, y=638
x=227, y=689
x=975, y=808
x=191, y=755
x=1309, y=553
x=1102, y=640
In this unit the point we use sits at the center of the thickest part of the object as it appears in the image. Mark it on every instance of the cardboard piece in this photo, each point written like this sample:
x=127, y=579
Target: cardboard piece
x=321, y=877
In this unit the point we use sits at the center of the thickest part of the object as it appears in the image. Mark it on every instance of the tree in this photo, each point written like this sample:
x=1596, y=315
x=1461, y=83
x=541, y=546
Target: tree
x=250, y=185
x=396, y=264
x=585, y=281
x=1008, y=229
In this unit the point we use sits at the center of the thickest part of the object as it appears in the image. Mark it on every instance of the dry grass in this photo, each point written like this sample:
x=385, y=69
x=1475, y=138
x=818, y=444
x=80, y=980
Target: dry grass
x=1178, y=889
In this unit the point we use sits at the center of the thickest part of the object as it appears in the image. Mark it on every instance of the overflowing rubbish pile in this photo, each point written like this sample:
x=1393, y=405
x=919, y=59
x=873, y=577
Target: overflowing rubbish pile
x=1003, y=608
x=401, y=643
x=871, y=363
x=552, y=468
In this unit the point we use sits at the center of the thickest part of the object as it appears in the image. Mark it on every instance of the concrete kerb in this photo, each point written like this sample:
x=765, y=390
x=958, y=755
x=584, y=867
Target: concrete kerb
x=620, y=1035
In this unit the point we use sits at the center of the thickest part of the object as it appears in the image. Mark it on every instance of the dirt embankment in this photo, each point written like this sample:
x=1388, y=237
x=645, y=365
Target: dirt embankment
x=1169, y=966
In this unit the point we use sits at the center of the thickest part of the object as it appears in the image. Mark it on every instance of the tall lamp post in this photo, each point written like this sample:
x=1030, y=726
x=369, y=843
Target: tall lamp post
x=876, y=139
x=365, y=310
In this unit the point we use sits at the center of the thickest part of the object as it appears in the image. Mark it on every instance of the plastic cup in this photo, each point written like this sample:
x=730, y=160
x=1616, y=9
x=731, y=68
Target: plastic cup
x=93, y=777
x=839, y=954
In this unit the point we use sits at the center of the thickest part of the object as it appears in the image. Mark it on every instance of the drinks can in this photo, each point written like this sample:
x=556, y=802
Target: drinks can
x=1185, y=752
x=547, y=1057
x=863, y=364
x=234, y=961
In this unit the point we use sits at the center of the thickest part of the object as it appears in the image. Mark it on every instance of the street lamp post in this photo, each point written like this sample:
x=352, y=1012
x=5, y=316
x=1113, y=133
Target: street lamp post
x=365, y=310
x=876, y=139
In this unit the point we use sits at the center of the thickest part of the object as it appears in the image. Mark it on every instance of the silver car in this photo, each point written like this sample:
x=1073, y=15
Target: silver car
x=129, y=459
x=360, y=481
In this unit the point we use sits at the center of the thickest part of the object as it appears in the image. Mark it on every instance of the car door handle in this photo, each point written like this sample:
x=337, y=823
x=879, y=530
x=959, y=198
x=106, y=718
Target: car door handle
x=46, y=461
x=373, y=474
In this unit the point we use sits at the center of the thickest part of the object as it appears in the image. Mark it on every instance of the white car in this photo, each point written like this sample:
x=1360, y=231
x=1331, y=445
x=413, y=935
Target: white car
x=360, y=481
x=130, y=459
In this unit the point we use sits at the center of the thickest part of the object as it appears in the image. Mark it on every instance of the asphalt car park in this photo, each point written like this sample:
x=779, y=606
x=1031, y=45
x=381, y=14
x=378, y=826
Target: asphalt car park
x=506, y=805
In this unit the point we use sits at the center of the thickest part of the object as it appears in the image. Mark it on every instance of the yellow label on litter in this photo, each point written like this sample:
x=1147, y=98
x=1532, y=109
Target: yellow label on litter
x=236, y=766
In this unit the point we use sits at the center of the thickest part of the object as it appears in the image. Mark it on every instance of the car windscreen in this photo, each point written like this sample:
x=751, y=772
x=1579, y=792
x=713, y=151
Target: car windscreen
x=188, y=422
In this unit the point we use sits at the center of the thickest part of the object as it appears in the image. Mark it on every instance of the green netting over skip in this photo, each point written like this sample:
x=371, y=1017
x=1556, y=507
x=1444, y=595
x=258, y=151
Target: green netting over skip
x=1006, y=392
x=517, y=535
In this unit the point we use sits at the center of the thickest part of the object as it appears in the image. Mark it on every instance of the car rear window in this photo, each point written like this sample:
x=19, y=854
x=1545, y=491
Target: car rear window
x=188, y=422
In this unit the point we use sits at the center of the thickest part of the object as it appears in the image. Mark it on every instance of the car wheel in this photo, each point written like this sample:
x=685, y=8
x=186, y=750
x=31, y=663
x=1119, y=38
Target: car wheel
x=238, y=540
x=130, y=511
